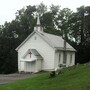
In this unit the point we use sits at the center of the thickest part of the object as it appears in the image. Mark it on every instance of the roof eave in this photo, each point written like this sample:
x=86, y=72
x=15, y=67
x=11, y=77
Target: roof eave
x=67, y=49
x=24, y=41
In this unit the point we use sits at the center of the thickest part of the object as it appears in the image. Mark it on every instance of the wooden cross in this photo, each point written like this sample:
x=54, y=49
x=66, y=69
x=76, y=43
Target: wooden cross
x=30, y=54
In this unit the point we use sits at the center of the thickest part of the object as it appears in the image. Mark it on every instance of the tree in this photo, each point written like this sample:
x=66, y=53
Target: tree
x=63, y=22
x=54, y=9
x=11, y=35
x=80, y=32
x=41, y=9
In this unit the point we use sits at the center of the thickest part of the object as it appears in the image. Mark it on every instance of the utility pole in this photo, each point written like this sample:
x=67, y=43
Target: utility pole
x=64, y=52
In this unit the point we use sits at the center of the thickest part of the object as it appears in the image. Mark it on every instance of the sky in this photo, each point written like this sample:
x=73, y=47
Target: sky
x=8, y=8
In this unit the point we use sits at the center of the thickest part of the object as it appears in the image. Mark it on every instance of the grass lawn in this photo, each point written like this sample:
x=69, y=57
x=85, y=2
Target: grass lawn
x=74, y=78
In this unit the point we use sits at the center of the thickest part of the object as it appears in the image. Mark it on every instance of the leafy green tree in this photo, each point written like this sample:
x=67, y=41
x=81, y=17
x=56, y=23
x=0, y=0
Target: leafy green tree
x=41, y=9
x=63, y=22
x=55, y=9
x=11, y=35
x=80, y=32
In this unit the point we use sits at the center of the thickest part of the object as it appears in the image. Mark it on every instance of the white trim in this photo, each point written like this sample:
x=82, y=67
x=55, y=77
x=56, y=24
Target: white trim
x=30, y=60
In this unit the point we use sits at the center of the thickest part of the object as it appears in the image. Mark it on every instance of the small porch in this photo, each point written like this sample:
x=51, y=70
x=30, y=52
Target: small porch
x=32, y=61
x=34, y=65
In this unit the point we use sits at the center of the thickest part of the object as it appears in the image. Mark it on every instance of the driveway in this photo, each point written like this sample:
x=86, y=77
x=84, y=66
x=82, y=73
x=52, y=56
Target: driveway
x=4, y=79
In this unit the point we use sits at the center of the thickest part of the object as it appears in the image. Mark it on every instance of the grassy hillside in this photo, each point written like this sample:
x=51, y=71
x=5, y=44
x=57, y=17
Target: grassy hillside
x=74, y=78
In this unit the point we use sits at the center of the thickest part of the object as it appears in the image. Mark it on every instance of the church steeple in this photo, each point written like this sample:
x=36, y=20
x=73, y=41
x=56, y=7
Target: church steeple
x=38, y=20
x=38, y=26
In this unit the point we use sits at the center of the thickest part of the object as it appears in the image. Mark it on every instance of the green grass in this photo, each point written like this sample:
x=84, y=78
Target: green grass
x=74, y=78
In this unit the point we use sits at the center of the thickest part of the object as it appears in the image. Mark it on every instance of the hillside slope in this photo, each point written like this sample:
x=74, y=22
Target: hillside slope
x=73, y=78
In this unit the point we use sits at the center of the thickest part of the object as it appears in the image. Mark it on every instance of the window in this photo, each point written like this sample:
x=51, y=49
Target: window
x=70, y=58
x=35, y=38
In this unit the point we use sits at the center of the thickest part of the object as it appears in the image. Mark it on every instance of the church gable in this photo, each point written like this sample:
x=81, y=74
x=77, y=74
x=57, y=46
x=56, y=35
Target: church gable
x=31, y=55
x=28, y=55
x=34, y=41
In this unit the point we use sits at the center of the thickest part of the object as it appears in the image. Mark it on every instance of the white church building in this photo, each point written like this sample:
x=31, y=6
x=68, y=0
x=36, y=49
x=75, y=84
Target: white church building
x=43, y=51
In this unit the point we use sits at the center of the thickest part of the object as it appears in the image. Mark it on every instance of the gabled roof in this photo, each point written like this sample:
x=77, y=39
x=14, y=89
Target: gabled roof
x=53, y=40
x=35, y=52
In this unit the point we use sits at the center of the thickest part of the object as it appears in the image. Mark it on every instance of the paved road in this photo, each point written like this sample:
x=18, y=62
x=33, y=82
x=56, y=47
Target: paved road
x=4, y=79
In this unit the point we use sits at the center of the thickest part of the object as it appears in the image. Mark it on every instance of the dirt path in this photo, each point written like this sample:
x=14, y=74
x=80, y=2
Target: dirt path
x=4, y=79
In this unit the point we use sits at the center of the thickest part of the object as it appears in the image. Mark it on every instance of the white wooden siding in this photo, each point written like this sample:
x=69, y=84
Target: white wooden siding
x=39, y=65
x=69, y=63
x=68, y=59
x=56, y=59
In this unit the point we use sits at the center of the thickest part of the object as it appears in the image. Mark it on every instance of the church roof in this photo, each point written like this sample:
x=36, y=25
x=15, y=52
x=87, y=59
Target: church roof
x=53, y=40
x=33, y=51
x=56, y=41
